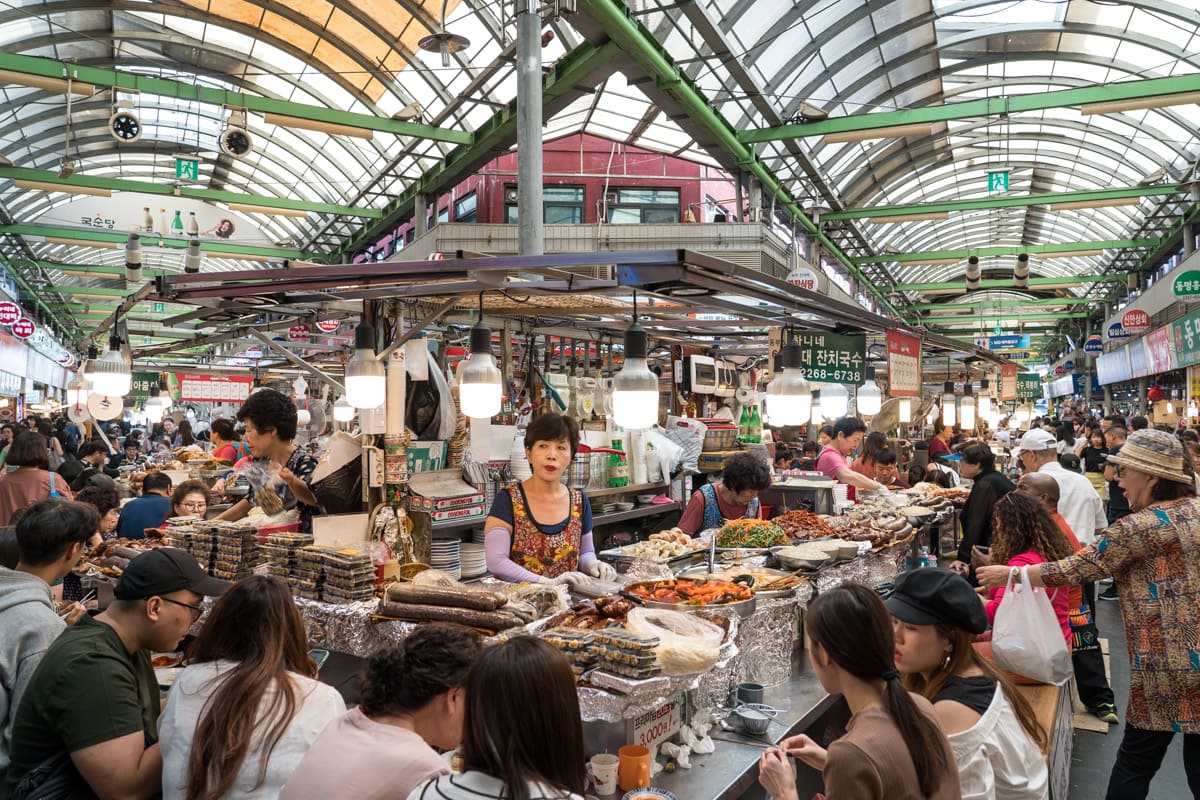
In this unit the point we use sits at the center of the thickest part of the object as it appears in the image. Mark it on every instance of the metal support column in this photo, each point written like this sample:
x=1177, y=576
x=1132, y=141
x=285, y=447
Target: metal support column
x=1108, y=403
x=739, y=197
x=1143, y=404
x=529, y=128
x=756, y=211
x=420, y=212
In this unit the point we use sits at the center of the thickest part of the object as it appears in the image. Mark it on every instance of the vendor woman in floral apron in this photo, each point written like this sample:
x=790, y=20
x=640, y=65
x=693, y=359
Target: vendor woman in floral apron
x=735, y=497
x=521, y=543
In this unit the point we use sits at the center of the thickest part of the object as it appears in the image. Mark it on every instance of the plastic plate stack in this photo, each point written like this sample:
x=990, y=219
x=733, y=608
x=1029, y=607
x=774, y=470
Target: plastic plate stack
x=474, y=561
x=444, y=554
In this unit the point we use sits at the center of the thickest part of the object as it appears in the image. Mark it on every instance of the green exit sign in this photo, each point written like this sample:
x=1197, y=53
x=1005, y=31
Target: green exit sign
x=159, y=308
x=187, y=169
x=998, y=181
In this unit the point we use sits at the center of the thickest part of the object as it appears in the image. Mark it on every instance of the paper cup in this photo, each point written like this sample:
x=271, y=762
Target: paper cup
x=603, y=769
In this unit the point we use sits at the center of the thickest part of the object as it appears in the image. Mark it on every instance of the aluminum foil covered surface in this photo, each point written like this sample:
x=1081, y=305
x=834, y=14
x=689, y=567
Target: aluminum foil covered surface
x=349, y=627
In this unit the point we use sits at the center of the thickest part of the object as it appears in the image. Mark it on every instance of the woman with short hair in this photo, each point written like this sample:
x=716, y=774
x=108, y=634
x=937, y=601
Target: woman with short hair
x=31, y=480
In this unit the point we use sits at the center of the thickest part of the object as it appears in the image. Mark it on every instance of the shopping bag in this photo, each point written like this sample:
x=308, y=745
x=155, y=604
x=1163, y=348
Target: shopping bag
x=1026, y=636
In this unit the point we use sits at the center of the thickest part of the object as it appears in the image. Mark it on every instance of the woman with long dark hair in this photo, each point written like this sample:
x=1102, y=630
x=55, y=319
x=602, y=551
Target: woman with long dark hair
x=873, y=444
x=523, y=735
x=1023, y=534
x=240, y=718
x=991, y=726
x=852, y=650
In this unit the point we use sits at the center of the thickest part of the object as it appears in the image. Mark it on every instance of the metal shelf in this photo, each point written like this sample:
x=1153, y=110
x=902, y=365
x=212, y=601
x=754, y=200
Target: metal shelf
x=633, y=513
x=456, y=524
x=640, y=488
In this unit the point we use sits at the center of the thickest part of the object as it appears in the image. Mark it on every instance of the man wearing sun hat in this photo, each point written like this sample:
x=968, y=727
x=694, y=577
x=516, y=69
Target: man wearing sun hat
x=94, y=696
x=1153, y=556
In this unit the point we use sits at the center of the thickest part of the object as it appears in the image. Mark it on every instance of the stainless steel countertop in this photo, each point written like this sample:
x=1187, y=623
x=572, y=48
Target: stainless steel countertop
x=732, y=770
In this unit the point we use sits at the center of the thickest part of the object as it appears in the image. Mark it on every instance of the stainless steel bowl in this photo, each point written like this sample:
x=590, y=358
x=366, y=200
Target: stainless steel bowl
x=788, y=562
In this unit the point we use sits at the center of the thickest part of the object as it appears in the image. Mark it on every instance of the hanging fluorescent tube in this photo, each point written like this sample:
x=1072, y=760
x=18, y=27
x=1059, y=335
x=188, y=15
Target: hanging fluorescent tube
x=1139, y=103
x=80, y=242
x=242, y=256
x=46, y=82
x=1109, y=203
x=65, y=188
x=895, y=131
x=319, y=126
x=279, y=212
x=1071, y=254
x=932, y=215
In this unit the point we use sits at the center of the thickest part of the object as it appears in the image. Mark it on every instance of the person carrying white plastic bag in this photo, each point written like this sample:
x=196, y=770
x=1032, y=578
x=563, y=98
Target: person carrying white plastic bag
x=1026, y=636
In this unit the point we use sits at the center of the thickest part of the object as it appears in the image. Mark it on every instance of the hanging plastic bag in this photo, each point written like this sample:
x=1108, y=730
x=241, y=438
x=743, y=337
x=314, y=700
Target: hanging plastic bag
x=687, y=643
x=1026, y=637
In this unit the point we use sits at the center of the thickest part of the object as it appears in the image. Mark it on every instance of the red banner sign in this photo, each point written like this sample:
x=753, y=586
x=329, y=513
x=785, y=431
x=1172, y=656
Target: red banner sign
x=24, y=328
x=328, y=325
x=298, y=333
x=1008, y=381
x=904, y=364
x=1135, y=321
x=9, y=313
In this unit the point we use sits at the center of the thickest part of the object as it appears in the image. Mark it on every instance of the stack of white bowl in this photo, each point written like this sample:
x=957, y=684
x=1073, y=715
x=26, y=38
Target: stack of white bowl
x=445, y=554
x=474, y=561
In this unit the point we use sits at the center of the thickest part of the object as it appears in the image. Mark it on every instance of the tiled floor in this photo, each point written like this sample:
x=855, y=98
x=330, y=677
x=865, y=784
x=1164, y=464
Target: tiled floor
x=1094, y=753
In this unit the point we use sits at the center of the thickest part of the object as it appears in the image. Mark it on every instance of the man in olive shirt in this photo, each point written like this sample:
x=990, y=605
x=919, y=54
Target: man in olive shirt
x=94, y=695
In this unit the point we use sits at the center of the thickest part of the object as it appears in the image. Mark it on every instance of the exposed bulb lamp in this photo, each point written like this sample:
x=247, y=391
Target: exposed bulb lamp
x=967, y=408
x=635, y=387
x=480, y=384
x=835, y=400
x=342, y=410
x=78, y=390
x=949, y=404
x=110, y=376
x=870, y=399
x=366, y=385
x=789, y=397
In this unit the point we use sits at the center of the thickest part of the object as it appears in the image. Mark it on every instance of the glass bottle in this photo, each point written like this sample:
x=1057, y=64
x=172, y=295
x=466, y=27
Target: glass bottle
x=744, y=425
x=755, y=425
x=193, y=227
x=618, y=469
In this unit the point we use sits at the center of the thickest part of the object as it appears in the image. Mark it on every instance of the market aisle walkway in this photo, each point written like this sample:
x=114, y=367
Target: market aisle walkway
x=1094, y=753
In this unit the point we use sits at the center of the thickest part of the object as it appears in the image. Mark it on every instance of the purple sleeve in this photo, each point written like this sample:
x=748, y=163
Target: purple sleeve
x=587, y=544
x=497, y=543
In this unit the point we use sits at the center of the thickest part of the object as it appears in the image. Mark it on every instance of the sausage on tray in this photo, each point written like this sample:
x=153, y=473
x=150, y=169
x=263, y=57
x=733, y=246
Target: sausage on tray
x=413, y=612
x=436, y=596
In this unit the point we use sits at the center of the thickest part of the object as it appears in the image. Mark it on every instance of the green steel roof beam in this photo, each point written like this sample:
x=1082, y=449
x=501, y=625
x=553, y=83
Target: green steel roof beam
x=1005, y=250
x=639, y=44
x=1006, y=283
x=207, y=246
x=170, y=189
x=970, y=319
x=989, y=107
x=970, y=304
x=1005, y=202
x=100, y=271
x=107, y=78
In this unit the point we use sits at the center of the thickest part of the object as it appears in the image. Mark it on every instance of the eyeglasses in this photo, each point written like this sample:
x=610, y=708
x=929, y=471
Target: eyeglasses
x=196, y=610
x=198, y=506
x=1119, y=470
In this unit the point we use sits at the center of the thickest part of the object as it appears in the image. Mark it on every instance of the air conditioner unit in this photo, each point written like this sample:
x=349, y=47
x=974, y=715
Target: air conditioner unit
x=510, y=195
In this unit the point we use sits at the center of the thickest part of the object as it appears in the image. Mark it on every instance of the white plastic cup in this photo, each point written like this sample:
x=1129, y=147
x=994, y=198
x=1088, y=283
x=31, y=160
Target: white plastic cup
x=603, y=769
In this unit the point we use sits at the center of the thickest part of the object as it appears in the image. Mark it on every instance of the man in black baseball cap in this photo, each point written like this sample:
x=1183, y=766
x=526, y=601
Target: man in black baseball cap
x=94, y=694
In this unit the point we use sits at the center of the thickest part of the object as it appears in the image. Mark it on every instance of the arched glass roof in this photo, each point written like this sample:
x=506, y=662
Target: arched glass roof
x=757, y=64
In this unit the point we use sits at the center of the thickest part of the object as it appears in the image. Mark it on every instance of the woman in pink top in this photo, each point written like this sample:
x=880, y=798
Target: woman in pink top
x=848, y=433
x=32, y=480
x=1023, y=533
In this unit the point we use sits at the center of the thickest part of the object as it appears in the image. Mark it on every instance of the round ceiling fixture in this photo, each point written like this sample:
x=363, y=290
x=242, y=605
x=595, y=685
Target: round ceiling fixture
x=125, y=126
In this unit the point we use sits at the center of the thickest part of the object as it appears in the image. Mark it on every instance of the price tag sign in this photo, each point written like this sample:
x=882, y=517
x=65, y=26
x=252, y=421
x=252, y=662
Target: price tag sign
x=657, y=726
x=832, y=357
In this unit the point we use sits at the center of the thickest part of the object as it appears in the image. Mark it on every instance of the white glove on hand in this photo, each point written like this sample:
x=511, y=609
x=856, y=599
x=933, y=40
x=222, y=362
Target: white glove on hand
x=883, y=491
x=603, y=571
x=568, y=578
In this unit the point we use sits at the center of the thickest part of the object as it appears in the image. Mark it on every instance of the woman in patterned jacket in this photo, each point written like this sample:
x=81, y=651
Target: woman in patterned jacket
x=1153, y=556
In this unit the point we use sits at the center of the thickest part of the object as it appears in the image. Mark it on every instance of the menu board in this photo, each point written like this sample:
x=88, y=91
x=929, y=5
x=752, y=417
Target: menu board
x=904, y=364
x=214, y=388
x=832, y=357
x=1139, y=364
x=1008, y=382
x=1113, y=367
x=1158, y=351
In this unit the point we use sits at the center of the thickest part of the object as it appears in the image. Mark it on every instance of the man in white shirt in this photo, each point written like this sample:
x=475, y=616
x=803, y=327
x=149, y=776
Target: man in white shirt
x=1079, y=503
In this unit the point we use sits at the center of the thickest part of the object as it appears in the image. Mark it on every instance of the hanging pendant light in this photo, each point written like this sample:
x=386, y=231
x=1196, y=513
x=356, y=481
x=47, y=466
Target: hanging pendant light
x=949, y=404
x=366, y=386
x=110, y=376
x=480, y=385
x=835, y=400
x=342, y=410
x=905, y=410
x=967, y=408
x=635, y=387
x=870, y=399
x=984, y=402
x=789, y=397
x=815, y=416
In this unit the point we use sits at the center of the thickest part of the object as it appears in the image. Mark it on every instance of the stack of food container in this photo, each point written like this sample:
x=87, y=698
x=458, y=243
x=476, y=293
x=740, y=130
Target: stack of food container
x=310, y=571
x=349, y=576
x=578, y=646
x=236, y=552
x=628, y=654
x=282, y=552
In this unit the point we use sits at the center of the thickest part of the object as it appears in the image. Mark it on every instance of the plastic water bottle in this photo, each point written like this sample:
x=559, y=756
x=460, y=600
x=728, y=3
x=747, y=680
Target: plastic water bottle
x=926, y=559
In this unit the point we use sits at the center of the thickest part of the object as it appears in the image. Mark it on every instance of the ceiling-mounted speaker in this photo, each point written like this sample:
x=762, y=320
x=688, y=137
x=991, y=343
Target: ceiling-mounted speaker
x=235, y=139
x=974, y=273
x=1021, y=272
